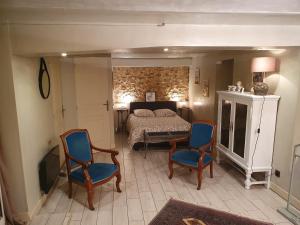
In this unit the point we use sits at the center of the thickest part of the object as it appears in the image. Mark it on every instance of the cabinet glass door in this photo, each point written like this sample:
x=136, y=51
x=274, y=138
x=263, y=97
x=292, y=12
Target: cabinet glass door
x=240, y=124
x=225, y=122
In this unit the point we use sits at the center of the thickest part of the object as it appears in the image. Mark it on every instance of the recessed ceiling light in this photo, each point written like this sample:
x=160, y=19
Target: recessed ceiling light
x=64, y=54
x=278, y=51
x=275, y=51
x=166, y=49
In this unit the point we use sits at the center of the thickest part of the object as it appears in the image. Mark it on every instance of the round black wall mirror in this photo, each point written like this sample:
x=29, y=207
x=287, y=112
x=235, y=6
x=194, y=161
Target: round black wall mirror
x=44, y=79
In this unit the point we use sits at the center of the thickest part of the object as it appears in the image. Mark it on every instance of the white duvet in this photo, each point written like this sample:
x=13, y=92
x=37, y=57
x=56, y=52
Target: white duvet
x=136, y=126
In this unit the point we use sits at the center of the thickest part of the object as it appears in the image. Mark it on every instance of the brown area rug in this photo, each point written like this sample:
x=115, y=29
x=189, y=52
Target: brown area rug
x=175, y=211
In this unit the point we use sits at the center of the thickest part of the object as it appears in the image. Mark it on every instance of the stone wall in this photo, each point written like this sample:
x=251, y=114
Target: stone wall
x=169, y=83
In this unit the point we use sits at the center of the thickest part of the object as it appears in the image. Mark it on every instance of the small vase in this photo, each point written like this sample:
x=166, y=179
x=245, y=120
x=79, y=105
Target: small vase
x=260, y=88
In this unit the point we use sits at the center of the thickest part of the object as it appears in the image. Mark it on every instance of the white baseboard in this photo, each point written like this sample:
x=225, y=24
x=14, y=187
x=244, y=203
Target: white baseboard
x=284, y=194
x=25, y=217
x=38, y=206
x=22, y=218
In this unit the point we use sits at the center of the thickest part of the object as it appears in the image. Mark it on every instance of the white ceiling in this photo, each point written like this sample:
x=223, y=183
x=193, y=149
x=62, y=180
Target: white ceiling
x=93, y=16
x=229, y=6
x=115, y=24
x=230, y=12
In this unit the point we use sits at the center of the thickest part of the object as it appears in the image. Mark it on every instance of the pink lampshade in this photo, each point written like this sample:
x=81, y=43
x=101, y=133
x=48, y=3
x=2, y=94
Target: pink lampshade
x=263, y=64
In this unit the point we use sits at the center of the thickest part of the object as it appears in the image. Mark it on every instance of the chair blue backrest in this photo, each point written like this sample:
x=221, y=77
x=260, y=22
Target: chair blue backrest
x=201, y=134
x=78, y=146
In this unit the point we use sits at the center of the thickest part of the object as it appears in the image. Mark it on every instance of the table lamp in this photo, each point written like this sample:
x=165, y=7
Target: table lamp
x=259, y=67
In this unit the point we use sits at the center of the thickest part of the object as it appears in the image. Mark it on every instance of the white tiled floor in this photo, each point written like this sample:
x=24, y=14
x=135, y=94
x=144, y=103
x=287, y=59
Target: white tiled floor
x=146, y=188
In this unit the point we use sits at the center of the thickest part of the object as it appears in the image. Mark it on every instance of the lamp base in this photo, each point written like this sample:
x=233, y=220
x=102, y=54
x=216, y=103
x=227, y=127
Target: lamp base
x=260, y=88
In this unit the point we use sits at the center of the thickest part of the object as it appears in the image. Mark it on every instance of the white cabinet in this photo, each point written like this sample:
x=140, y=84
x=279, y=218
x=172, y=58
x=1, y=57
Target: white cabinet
x=246, y=129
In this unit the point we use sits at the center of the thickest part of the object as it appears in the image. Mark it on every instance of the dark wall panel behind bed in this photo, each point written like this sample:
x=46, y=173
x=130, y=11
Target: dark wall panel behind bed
x=153, y=105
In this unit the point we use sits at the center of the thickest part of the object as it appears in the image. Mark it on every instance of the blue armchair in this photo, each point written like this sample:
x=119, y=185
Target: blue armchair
x=199, y=154
x=81, y=168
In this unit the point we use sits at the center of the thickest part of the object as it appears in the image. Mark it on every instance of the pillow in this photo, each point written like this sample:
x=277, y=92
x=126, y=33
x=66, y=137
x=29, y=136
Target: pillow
x=164, y=113
x=143, y=113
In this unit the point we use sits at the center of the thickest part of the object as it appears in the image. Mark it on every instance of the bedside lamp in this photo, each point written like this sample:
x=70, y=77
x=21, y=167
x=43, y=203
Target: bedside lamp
x=259, y=67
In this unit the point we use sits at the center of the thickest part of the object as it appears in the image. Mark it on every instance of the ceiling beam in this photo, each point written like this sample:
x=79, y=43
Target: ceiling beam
x=54, y=39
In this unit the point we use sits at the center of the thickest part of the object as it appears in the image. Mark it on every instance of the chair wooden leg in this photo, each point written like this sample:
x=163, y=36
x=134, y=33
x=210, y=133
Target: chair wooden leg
x=70, y=189
x=190, y=170
x=118, y=182
x=211, y=170
x=170, y=169
x=90, y=193
x=199, y=179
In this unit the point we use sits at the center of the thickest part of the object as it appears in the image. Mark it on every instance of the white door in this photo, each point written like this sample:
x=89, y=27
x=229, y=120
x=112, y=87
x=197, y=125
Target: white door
x=69, y=107
x=93, y=77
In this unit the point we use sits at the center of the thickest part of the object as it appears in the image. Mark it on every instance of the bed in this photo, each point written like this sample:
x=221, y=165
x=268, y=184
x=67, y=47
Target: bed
x=137, y=126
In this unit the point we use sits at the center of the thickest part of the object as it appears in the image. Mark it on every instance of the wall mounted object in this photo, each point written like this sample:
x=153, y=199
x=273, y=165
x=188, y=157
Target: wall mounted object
x=197, y=76
x=150, y=96
x=44, y=79
x=205, y=88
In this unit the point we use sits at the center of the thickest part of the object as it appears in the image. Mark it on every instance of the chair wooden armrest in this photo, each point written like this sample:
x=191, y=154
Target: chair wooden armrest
x=173, y=144
x=84, y=166
x=82, y=163
x=175, y=140
x=203, y=152
x=87, y=176
x=111, y=151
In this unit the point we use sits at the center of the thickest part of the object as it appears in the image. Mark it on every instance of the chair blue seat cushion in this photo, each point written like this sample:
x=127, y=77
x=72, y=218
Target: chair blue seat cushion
x=190, y=157
x=97, y=171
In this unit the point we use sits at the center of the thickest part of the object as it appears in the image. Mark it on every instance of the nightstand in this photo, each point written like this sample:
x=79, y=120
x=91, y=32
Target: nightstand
x=121, y=118
x=185, y=113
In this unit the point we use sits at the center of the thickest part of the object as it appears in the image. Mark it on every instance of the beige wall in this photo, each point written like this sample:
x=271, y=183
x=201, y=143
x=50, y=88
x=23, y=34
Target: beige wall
x=36, y=123
x=296, y=183
x=203, y=107
x=29, y=125
x=287, y=127
x=9, y=128
x=149, y=60
x=286, y=84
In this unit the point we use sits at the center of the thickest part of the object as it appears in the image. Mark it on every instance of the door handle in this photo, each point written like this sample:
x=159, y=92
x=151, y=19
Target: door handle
x=231, y=127
x=107, y=105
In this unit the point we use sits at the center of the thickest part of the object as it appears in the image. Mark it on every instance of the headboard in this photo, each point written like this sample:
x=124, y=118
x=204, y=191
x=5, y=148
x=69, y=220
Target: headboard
x=153, y=105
